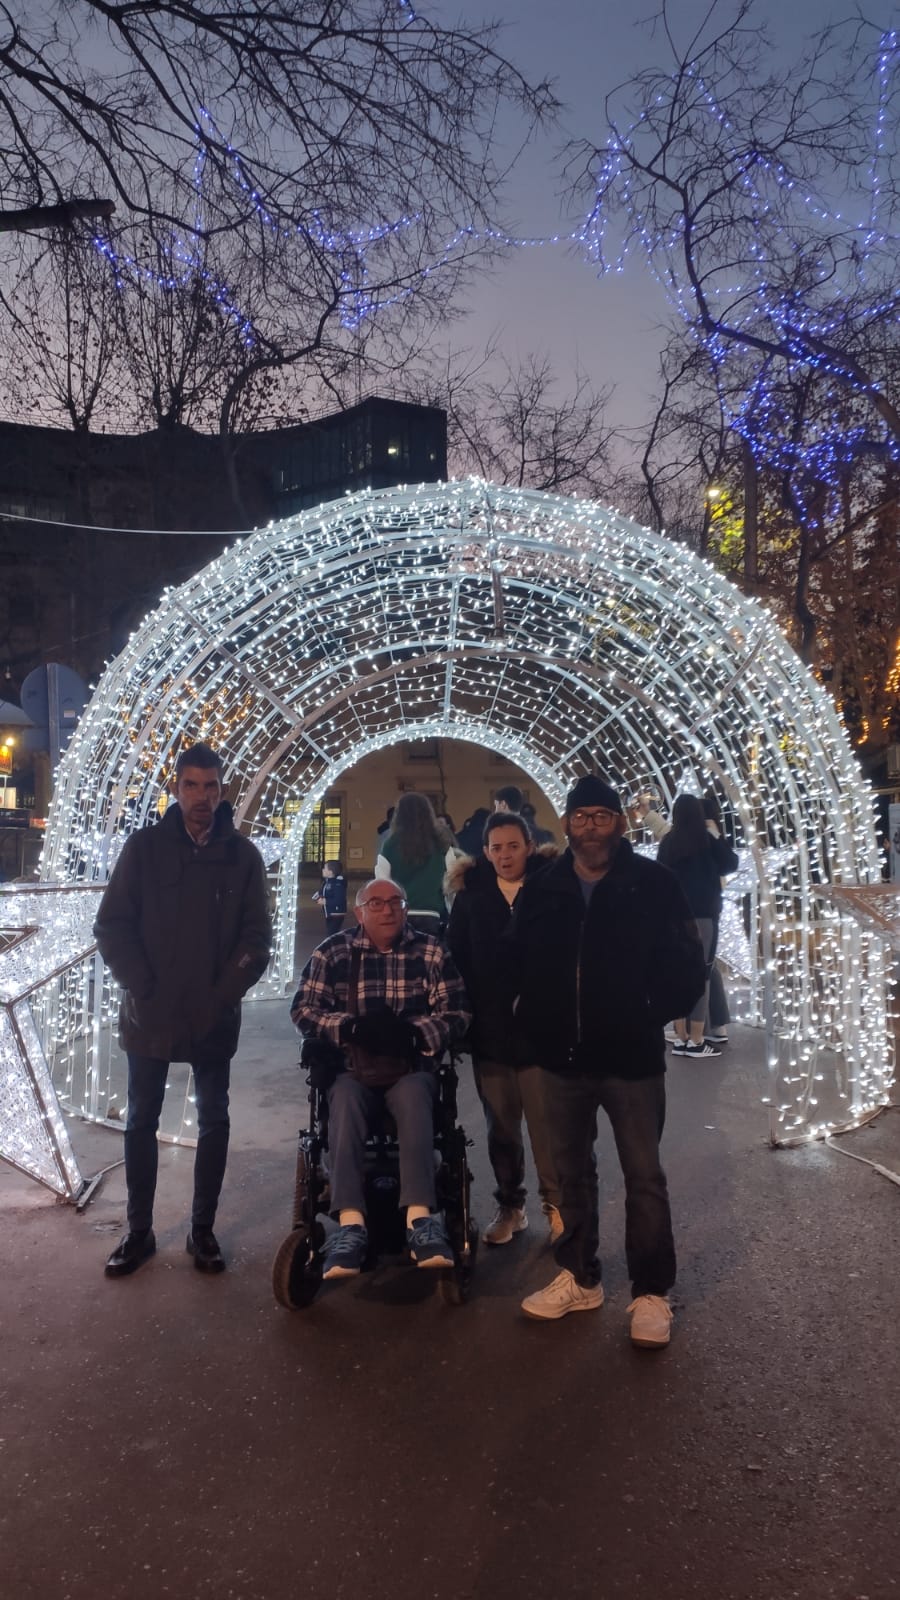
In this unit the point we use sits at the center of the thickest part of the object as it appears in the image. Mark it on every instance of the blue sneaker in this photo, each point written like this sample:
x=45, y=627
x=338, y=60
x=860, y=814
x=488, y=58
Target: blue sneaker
x=346, y=1252
x=428, y=1244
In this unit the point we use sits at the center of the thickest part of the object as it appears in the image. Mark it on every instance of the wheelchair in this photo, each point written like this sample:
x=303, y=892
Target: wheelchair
x=297, y=1268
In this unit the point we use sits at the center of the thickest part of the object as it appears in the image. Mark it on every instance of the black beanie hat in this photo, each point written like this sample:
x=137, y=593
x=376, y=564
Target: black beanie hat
x=592, y=791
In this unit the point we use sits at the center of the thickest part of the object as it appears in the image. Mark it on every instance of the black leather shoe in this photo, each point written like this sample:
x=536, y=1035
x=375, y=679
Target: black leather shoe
x=203, y=1245
x=130, y=1253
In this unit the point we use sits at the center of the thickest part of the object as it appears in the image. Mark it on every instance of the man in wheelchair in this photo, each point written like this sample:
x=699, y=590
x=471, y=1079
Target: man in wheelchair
x=389, y=1001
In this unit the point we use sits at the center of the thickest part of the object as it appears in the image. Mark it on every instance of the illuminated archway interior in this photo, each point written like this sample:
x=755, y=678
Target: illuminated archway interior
x=557, y=633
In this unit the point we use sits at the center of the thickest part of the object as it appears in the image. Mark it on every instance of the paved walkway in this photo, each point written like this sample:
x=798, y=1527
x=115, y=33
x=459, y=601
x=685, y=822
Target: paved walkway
x=173, y=1436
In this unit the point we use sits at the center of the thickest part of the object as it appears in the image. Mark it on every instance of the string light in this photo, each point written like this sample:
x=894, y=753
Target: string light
x=808, y=324
x=561, y=635
x=46, y=935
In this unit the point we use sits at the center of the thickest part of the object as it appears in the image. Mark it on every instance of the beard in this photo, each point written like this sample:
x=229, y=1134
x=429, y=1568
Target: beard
x=593, y=853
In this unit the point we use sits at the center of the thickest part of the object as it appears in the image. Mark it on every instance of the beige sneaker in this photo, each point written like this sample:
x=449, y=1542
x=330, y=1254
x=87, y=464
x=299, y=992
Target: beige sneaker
x=554, y=1222
x=562, y=1296
x=651, y=1321
x=506, y=1221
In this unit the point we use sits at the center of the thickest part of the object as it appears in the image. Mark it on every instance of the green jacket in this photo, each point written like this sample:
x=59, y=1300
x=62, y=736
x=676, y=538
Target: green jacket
x=185, y=930
x=422, y=884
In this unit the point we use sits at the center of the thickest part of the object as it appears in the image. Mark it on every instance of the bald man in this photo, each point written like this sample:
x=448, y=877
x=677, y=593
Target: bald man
x=388, y=990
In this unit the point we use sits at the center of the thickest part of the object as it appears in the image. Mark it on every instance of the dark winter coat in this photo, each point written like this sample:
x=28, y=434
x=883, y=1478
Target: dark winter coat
x=700, y=873
x=597, y=983
x=479, y=919
x=185, y=930
x=332, y=896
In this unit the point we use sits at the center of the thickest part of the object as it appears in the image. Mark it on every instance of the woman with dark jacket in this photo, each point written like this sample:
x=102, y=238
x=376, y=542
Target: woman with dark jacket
x=484, y=890
x=699, y=859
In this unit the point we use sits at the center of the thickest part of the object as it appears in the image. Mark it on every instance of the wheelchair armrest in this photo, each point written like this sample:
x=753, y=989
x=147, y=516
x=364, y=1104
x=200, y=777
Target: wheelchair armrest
x=322, y=1061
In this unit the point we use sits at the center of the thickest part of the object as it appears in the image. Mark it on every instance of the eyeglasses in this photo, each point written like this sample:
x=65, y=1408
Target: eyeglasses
x=592, y=819
x=375, y=903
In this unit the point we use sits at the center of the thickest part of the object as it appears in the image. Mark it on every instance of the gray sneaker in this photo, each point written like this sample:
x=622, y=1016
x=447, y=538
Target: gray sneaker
x=506, y=1221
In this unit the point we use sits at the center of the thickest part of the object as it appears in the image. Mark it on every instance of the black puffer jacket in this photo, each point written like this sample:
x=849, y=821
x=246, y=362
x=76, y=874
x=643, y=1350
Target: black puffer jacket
x=700, y=874
x=186, y=931
x=596, y=983
x=479, y=918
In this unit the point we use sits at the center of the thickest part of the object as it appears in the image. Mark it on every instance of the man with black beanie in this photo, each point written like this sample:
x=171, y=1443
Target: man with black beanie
x=605, y=951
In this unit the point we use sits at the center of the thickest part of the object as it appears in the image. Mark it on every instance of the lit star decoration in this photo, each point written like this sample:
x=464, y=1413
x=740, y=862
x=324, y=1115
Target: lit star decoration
x=559, y=634
x=45, y=937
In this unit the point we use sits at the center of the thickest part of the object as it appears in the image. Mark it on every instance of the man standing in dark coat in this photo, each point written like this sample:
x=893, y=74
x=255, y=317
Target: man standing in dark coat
x=184, y=927
x=605, y=952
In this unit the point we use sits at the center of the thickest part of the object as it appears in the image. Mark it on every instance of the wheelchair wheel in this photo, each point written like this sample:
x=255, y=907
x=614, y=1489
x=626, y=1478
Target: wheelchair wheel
x=297, y=1270
x=456, y=1282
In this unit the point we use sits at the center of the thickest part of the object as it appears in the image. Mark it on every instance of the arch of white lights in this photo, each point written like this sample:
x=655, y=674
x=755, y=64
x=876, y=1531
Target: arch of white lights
x=557, y=633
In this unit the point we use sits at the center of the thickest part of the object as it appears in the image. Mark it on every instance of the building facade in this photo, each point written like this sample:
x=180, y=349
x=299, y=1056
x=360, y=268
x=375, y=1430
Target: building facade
x=95, y=526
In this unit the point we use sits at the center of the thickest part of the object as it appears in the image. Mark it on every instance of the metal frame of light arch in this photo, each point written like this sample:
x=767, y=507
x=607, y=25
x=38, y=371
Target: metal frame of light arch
x=483, y=567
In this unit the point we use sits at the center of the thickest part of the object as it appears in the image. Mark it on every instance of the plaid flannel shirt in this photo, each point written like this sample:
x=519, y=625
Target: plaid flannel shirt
x=417, y=976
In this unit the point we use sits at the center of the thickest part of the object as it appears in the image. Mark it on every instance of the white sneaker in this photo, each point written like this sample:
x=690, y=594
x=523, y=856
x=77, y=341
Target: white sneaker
x=506, y=1221
x=651, y=1321
x=562, y=1296
x=554, y=1222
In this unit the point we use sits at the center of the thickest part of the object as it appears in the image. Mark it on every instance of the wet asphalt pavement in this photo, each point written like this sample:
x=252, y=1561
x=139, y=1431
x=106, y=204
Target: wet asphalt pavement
x=178, y=1435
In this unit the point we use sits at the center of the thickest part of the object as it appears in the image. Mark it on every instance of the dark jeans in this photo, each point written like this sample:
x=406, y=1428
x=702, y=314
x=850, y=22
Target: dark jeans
x=146, y=1088
x=507, y=1094
x=636, y=1110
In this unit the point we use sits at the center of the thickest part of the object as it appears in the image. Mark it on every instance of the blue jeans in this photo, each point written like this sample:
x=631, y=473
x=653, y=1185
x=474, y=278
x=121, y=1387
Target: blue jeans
x=636, y=1110
x=352, y=1108
x=146, y=1089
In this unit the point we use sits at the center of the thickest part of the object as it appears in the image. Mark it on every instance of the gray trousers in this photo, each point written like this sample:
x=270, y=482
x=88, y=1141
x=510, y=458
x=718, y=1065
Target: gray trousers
x=707, y=930
x=352, y=1110
x=508, y=1094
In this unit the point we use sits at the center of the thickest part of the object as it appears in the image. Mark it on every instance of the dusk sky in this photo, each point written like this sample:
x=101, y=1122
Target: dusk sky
x=545, y=298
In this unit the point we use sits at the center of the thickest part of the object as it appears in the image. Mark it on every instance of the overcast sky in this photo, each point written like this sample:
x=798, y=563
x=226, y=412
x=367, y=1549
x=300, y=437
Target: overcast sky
x=543, y=298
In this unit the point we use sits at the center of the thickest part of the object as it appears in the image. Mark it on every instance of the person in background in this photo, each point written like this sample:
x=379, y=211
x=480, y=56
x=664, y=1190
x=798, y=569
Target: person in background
x=444, y=820
x=332, y=896
x=484, y=891
x=718, y=1014
x=644, y=814
x=699, y=860
x=539, y=835
x=509, y=798
x=416, y=852
x=471, y=834
x=381, y=832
